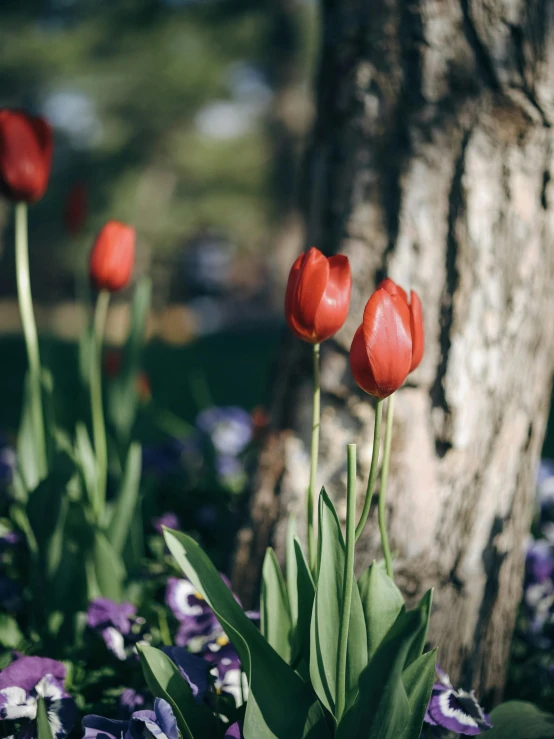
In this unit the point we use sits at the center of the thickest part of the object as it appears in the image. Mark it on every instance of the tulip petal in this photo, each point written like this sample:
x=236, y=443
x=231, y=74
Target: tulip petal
x=387, y=345
x=26, y=145
x=335, y=301
x=393, y=289
x=359, y=364
x=416, y=330
x=112, y=257
x=309, y=278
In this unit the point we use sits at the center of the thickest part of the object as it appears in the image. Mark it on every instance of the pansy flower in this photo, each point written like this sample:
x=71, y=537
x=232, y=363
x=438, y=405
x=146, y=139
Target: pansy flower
x=193, y=668
x=197, y=621
x=230, y=429
x=234, y=731
x=129, y=702
x=22, y=684
x=455, y=710
x=118, y=626
x=159, y=723
x=228, y=675
x=168, y=519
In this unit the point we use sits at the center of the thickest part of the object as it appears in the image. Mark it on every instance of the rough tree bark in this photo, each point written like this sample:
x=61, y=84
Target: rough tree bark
x=432, y=162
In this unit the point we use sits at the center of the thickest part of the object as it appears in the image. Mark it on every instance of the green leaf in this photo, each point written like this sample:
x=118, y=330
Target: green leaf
x=122, y=392
x=46, y=510
x=418, y=680
x=274, y=607
x=126, y=502
x=10, y=633
x=87, y=461
x=165, y=681
x=518, y=720
x=382, y=602
x=292, y=573
x=280, y=705
x=305, y=589
x=327, y=614
x=43, y=725
x=108, y=567
x=382, y=710
x=418, y=645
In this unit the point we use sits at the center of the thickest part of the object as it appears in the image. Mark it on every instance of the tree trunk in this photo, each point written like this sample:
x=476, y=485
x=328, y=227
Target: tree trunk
x=431, y=162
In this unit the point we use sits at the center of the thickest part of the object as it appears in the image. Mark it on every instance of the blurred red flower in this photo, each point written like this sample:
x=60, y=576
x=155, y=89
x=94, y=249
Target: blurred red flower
x=26, y=146
x=112, y=257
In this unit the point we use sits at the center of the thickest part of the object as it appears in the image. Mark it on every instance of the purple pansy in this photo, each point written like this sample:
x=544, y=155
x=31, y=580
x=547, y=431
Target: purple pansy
x=234, y=731
x=26, y=680
x=117, y=624
x=194, y=669
x=159, y=723
x=197, y=620
x=229, y=428
x=168, y=519
x=129, y=702
x=229, y=678
x=539, y=564
x=455, y=710
x=104, y=612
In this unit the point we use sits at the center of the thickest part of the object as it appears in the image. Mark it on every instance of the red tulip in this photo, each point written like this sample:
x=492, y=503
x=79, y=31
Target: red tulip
x=26, y=145
x=76, y=207
x=112, y=256
x=318, y=295
x=416, y=318
x=389, y=343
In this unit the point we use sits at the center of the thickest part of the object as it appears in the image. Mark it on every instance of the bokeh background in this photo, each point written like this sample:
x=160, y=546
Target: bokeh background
x=187, y=119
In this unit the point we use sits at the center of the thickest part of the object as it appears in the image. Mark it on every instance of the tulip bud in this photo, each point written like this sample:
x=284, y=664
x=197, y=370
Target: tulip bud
x=26, y=145
x=112, y=256
x=389, y=343
x=318, y=295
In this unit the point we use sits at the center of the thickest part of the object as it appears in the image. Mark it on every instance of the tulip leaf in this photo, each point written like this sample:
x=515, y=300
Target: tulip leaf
x=382, y=710
x=418, y=645
x=122, y=519
x=44, y=730
x=163, y=678
x=279, y=704
x=382, y=602
x=517, y=719
x=306, y=593
x=292, y=573
x=418, y=680
x=327, y=613
x=274, y=607
x=122, y=392
x=109, y=569
x=87, y=461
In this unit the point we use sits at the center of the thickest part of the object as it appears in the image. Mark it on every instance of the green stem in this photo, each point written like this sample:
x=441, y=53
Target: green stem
x=348, y=579
x=164, y=628
x=383, y=489
x=30, y=332
x=98, y=425
x=373, y=469
x=314, y=453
